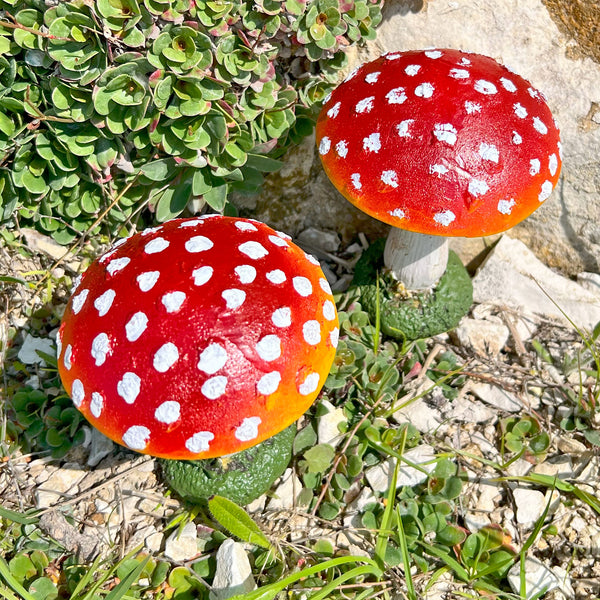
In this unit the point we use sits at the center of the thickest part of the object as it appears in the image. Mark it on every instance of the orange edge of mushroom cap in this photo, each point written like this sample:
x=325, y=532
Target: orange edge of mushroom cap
x=440, y=141
x=198, y=338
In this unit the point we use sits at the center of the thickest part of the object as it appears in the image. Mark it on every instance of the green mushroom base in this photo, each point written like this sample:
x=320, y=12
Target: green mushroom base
x=241, y=477
x=421, y=315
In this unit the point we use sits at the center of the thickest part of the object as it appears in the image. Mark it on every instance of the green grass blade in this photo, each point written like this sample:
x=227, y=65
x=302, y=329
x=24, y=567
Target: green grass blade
x=384, y=532
x=410, y=588
x=17, y=517
x=448, y=560
x=12, y=582
x=124, y=585
x=237, y=521
x=85, y=580
x=326, y=590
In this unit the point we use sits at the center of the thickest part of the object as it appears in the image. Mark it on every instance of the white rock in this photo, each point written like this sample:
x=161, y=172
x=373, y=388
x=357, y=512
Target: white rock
x=182, y=545
x=418, y=413
x=530, y=505
x=560, y=465
x=380, y=476
x=485, y=337
x=509, y=274
x=328, y=241
x=328, y=424
x=590, y=281
x=100, y=447
x=28, y=351
x=286, y=492
x=496, y=397
x=538, y=578
x=466, y=409
x=62, y=484
x=233, y=574
x=478, y=517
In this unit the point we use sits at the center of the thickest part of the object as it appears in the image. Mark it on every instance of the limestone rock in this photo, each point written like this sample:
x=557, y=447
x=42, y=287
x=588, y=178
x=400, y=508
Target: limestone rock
x=182, y=545
x=487, y=338
x=328, y=425
x=234, y=573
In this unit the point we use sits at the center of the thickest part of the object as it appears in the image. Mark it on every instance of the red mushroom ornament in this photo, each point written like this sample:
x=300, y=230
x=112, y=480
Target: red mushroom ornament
x=198, y=338
x=438, y=143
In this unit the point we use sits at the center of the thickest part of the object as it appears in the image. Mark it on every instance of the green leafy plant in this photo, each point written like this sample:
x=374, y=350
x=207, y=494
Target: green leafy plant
x=116, y=111
x=524, y=435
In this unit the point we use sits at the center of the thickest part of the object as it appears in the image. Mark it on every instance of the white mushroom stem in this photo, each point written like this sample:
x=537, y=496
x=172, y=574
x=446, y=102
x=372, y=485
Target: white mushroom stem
x=417, y=260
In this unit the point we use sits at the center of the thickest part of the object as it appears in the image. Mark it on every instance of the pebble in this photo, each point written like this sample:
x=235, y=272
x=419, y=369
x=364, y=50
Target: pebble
x=286, y=492
x=466, y=409
x=496, y=396
x=419, y=413
x=328, y=241
x=233, y=574
x=530, y=505
x=561, y=466
x=60, y=485
x=486, y=338
x=182, y=544
x=538, y=578
x=100, y=447
x=328, y=431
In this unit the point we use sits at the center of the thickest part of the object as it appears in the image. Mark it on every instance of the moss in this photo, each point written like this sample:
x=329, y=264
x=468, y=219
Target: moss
x=413, y=316
x=241, y=477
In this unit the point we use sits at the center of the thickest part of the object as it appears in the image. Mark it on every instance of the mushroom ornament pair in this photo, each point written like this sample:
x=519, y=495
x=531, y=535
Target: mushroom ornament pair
x=197, y=339
x=436, y=143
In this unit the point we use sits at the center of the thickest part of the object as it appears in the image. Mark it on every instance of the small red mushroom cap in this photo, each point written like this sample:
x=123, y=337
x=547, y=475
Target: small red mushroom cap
x=440, y=141
x=198, y=338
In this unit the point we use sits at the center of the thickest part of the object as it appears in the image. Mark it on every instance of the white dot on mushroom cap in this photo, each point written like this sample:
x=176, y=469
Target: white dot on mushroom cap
x=508, y=85
x=78, y=301
x=552, y=164
x=165, y=357
x=534, y=166
x=277, y=276
x=489, y=152
x=202, y=274
x=334, y=337
x=173, y=301
x=269, y=383
x=390, y=178
x=77, y=393
x=117, y=264
x=520, y=110
x=516, y=138
x=477, y=187
x=136, y=326
x=67, y=357
x=459, y=73
x=444, y=218
x=234, y=298
x=150, y=230
x=96, y=404
x=505, y=206
x=212, y=359
x=324, y=285
x=533, y=92
x=365, y=105
x=100, y=348
x=324, y=146
x=58, y=344
x=168, y=412
x=352, y=74
x=199, y=442
x=472, y=107
x=329, y=310
x=464, y=61
x=269, y=348
x=119, y=242
x=372, y=143
x=248, y=430
x=76, y=283
x=333, y=112
x=309, y=385
x=392, y=55
x=311, y=259
x=342, y=148
x=156, y=245
x=191, y=223
x=282, y=317
x=136, y=437
x=539, y=126
x=103, y=302
x=546, y=190
x=355, y=178
x=245, y=226
x=278, y=241
x=560, y=149
x=412, y=70
x=146, y=281
x=129, y=387
x=373, y=77
x=198, y=243
x=398, y=213
x=445, y=132
x=396, y=96
x=403, y=126
x=253, y=250
x=433, y=54
x=485, y=87
x=438, y=170
x=302, y=285
x=311, y=331
x=246, y=273
x=214, y=387
x=425, y=90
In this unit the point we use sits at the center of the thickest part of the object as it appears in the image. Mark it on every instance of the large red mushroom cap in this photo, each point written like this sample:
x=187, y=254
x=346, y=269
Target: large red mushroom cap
x=198, y=338
x=441, y=142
